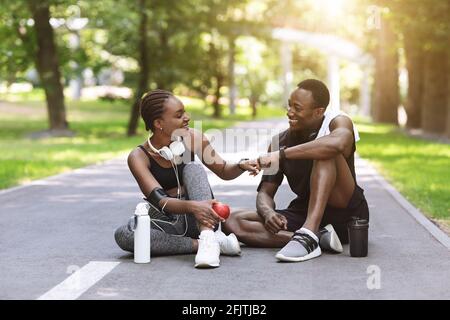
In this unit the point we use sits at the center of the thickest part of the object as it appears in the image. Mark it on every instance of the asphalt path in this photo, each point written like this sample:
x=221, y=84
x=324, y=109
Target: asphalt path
x=57, y=242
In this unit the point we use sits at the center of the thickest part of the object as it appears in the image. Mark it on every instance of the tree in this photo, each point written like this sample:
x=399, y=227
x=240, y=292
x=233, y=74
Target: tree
x=257, y=64
x=415, y=65
x=436, y=72
x=425, y=30
x=411, y=19
x=144, y=66
x=220, y=24
x=435, y=95
x=257, y=85
x=448, y=97
x=17, y=46
x=47, y=64
x=386, y=95
x=216, y=54
x=166, y=39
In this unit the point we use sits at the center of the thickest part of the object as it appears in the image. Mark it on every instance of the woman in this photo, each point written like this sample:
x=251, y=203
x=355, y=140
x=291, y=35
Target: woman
x=178, y=192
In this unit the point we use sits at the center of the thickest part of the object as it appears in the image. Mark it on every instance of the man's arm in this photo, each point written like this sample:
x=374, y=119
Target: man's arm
x=265, y=206
x=339, y=141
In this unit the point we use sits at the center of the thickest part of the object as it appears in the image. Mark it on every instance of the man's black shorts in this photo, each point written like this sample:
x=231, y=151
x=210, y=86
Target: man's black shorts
x=338, y=217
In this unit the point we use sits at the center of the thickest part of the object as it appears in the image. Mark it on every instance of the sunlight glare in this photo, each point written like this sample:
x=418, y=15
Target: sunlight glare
x=333, y=8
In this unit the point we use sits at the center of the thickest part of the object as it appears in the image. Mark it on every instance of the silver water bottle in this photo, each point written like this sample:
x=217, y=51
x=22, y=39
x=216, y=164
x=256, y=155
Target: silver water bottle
x=142, y=233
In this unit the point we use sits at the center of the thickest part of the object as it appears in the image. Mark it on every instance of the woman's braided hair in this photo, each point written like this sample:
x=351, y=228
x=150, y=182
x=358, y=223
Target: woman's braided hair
x=152, y=106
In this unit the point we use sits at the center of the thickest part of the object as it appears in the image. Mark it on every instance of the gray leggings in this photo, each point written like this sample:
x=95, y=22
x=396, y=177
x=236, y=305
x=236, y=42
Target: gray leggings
x=172, y=234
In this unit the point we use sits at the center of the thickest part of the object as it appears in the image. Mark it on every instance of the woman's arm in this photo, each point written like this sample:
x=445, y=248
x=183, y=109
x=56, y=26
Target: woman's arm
x=212, y=160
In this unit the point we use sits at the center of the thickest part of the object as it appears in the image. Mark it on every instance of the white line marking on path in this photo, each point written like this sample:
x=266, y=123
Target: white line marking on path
x=80, y=281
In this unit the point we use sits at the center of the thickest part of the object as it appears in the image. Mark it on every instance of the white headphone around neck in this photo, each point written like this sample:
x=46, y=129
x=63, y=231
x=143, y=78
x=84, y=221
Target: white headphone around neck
x=176, y=148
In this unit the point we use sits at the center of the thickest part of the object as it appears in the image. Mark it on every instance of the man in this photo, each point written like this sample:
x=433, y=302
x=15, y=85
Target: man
x=316, y=154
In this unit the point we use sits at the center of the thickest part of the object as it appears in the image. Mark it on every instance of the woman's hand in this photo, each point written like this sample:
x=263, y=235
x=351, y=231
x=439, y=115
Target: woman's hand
x=204, y=213
x=249, y=165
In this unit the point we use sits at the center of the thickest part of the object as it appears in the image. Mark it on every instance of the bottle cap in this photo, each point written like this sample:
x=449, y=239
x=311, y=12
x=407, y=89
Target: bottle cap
x=358, y=223
x=142, y=209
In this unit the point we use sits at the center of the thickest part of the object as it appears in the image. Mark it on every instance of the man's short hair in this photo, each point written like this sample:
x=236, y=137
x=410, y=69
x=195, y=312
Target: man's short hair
x=319, y=91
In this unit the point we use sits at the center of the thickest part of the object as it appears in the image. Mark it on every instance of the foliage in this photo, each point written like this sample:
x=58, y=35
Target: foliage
x=417, y=168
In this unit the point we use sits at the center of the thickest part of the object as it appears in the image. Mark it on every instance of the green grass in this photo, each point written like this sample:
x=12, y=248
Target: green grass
x=100, y=134
x=419, y=169
x=35, y=95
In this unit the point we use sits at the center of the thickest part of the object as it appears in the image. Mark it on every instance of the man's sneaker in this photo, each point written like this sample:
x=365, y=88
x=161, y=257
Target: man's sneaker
x=329, y=240
x=303, y=246
x=229, y=245
x=208, y=250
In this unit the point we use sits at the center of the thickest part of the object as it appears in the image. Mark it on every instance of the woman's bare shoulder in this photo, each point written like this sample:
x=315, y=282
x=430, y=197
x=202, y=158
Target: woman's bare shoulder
x=137, y=156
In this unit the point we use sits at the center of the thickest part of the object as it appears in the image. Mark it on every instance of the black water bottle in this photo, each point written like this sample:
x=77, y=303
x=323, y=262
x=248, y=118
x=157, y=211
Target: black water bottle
x=358, y=236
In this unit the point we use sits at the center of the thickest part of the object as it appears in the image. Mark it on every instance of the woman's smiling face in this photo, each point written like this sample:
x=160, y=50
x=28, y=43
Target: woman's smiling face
x=174, y=116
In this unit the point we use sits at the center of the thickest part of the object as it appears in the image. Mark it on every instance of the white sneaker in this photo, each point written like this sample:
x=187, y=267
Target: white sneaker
x=304, y=245
x=329, y=239
x=229, y=245
x=208, y=250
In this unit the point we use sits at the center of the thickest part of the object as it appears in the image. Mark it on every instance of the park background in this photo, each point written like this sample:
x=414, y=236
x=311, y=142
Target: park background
x=72, y=72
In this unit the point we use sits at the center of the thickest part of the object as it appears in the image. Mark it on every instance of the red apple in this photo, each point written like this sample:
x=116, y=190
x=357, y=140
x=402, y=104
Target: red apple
x=221, y=209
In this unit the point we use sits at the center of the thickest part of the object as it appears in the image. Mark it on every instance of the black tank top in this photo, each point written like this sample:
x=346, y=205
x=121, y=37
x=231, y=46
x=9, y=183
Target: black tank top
x=298, y=171
x=165, y=176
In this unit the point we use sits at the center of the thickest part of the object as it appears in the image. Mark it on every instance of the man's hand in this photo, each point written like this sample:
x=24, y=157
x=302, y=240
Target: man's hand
x=270, y=162
x=275, y=222
x=250, y=165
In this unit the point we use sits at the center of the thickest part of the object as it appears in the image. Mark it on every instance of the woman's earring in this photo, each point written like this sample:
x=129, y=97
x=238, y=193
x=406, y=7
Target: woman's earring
x=160, y=128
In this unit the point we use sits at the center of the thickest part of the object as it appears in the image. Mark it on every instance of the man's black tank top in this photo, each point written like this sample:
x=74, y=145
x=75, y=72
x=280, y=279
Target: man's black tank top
x=298, y=171
x=165, y=176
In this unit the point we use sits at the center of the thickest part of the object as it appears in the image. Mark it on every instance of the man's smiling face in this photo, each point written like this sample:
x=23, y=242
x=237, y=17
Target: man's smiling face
x=302, y=112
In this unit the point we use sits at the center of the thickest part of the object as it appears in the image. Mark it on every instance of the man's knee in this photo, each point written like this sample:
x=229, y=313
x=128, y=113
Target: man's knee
x=337, y=170
x=319, y=164
x=338, y=161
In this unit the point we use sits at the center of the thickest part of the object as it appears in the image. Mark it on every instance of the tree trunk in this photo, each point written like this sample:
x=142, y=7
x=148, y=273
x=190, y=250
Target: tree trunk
x=164, y=80
x=219, y=78
x=387, y=97
x=434, y=115
x=231, y=72
x=253, y=105
x=144, y=67
x=415, y=65
x=216, y=103
x=448, y=98
x=47, y=65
